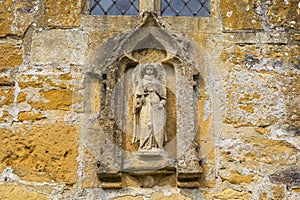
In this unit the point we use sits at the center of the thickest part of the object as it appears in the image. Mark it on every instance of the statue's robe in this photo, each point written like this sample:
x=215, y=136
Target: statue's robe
x=150, y=114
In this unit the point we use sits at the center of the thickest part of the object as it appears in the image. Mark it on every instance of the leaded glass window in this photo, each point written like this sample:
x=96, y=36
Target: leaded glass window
x=199, y=8
x=114, y=7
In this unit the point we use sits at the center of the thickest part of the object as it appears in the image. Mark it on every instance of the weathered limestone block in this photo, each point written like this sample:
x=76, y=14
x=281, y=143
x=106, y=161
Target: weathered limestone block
x=11, y=55
x=295, y=38
x=128, y=198
x=278, y=192
x=254, y=100
x=284, y=14
x=7, y=96
x=19, y=192
x=240, y=15
x=264, y=58
x=257, y=14
x=161, y=196
x=113, y=23
x=90, y=180
x=290, y=177
x=257, y=150
x=7, y=80
x=263, y=99
x=53, y=100
x=16, y=16
x=96, y=37
x=56, y=80
x=62, y=81
x=44, y=152
x=228, y=193
x=59, y=46
x=6, y=17
x=291, y=90
x=26, y=81
x=25, y=12
x=5, y=116
x=63, y=13
x=21, y=97
x=234, y=177
x=30, y=116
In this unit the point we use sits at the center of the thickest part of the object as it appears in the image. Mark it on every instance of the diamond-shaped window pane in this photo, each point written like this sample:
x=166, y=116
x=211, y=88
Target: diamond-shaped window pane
x=114, y=11
x=97, y=11
x=178, y=6
x=106, y=5
x=114, y=7
x=199, y=8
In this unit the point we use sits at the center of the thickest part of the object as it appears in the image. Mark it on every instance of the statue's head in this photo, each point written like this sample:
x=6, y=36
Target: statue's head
x=149, y=69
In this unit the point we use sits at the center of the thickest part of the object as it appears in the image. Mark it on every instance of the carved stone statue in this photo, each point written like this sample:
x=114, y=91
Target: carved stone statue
x=149, y=107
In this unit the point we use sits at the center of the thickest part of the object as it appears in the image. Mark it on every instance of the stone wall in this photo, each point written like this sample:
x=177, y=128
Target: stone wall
x=250, y=133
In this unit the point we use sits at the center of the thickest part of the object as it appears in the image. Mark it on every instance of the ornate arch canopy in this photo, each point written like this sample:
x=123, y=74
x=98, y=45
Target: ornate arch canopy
x=127, y=104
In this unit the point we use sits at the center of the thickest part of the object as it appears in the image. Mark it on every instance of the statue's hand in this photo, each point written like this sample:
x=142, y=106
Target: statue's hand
x=162, y=103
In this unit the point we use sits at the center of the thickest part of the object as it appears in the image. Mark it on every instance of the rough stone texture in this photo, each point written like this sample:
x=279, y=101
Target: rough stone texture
x=228, y=193
x=16, y=16
x=161, y=196
x=128, y=198
x=52, y=100
x=7, y=96
x=63, y=13
x=235, y=177
x=53, y=47
x=19, y=192
x=240, y=15
x=30, y=116
x=284, y=14
x=11, y=55
x=264, y=58
x=25, y=12
x=254, y=100
x=41, y=152
x=259, y=14
x=292, y=99
x=6, y=17
x=290, y=176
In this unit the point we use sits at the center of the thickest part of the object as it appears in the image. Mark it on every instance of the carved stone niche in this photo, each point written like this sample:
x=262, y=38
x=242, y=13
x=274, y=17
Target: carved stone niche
x=147, y=109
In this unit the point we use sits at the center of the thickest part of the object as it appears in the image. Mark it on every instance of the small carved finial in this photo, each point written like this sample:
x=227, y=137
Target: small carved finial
x=150, y=19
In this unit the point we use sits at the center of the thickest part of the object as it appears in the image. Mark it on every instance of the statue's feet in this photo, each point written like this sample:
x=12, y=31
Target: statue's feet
x=152, y=152
x=156, y=149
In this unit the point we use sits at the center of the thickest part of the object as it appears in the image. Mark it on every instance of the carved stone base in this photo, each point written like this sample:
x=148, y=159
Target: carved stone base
x=143, y=176
x=147, y=160
x=148, y=179
x=110, y=180
x=190, y=180
x=151, y=153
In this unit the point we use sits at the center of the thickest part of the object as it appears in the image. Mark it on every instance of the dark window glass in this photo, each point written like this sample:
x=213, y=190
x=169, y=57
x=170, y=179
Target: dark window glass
x=199, y=8
x=114, y=7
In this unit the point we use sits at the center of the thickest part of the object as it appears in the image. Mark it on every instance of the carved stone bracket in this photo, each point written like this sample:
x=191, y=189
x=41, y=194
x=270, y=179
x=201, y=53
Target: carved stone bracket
x=189, y=180
x=110, y=180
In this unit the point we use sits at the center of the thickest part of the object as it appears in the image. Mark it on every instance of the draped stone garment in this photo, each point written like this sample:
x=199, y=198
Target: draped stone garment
x=150, y=114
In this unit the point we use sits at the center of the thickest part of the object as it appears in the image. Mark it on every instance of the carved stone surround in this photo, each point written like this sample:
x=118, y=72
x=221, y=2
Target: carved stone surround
x=109, y=93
